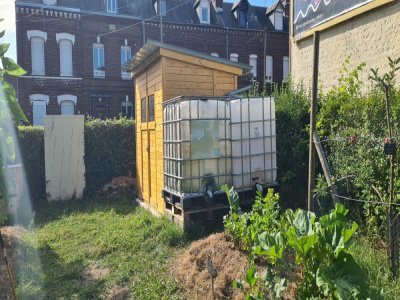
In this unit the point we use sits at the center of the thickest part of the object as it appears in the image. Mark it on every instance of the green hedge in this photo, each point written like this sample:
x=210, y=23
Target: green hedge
x=31, y=142
x=109, y=152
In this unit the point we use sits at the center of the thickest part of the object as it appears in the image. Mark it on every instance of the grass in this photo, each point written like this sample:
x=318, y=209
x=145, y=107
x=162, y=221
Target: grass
x=115, y=234
x=371, y=255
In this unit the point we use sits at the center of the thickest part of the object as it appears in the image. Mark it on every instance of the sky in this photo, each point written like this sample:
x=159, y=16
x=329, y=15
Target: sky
x=8, y=14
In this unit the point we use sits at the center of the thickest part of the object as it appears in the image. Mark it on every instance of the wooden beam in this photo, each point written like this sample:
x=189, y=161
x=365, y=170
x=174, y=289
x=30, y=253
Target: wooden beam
x=325, y=167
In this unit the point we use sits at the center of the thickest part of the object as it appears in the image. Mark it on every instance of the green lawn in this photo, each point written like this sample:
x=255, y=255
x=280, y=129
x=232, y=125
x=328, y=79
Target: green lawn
x=114, y=235
x=134, y=248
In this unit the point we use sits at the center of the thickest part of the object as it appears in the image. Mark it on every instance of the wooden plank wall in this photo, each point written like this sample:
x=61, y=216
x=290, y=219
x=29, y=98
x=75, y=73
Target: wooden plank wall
x=165, y=79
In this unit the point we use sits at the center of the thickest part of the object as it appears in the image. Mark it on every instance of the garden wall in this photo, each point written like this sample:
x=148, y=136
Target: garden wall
x=369, y=38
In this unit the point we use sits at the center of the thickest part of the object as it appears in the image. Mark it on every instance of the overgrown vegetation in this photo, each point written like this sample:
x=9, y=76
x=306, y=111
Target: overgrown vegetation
x=352, y=122
x=320, y=246
x=90, y=247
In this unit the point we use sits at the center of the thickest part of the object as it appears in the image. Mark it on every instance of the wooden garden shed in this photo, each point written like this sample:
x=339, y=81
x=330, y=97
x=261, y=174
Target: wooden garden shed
x=161, y=72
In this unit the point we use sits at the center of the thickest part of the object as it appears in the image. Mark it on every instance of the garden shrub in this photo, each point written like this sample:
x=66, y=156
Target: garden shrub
x=109, y=151
x=31, y=142
x=292, y=118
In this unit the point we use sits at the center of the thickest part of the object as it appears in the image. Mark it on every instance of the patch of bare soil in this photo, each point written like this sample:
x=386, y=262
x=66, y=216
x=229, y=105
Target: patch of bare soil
x=92, y=274
x=118, y=293
x=120, y=183
x=191, y=268
x=11, y=236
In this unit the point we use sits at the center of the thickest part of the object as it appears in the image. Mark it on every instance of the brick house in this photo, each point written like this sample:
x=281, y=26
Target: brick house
x=74, y=51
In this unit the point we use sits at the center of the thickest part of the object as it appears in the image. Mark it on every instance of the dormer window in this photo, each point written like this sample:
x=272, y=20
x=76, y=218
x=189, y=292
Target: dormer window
x=278, y=19
x=112, y=6
x=242, y=19
x=203, y=11
x=240, y=9
x=163, y=7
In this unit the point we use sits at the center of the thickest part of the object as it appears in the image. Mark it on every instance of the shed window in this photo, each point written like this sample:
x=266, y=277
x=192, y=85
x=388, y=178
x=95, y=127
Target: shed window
x=38, y=112
x=269, y=62
x=37, y=54
x=66, y=58
x=112, y=6
x=286, y=63
x=253, y=64
x=67, y=108
x=144, y=110
x=151, y=108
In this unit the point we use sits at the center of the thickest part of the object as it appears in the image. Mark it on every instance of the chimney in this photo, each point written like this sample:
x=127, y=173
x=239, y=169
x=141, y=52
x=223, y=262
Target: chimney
x=218, y=5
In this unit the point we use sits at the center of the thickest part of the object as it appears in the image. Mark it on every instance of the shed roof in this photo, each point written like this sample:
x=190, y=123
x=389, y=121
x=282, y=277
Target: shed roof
x=152, y=49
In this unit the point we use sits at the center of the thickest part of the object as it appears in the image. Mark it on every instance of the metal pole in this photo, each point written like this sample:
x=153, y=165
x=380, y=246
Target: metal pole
x=161, y=25
x=313, y=122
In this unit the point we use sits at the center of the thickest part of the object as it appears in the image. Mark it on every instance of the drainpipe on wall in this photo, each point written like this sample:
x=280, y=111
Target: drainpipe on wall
x=143, y=32
x=265, y=54
x=227, y=42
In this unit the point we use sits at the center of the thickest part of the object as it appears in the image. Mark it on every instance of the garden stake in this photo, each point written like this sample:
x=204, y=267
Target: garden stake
x=10, y=276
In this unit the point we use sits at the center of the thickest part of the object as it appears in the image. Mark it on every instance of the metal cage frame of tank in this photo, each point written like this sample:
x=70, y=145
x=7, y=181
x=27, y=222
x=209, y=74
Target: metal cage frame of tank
x=173, y=158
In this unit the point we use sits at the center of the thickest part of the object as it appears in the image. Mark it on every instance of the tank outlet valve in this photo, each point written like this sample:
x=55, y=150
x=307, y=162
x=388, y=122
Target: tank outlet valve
x=259, y=187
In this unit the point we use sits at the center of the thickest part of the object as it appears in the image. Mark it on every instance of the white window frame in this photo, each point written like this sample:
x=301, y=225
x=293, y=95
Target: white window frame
x=124, y=74
x=97, y=73
x=112, y=6
x=204, y=4
x=61, y=39
x=269, y=69
x=234, y=57
x=66, y=97
x=286, y=68
x=38, y=98
x=125, y=105
x=253, y=64
x=36, y=37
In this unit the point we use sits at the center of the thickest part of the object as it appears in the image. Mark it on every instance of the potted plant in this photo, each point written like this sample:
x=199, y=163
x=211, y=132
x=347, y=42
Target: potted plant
x=10, y=114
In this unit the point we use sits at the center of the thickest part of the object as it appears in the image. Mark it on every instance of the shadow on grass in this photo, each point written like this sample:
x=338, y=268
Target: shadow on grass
x=122, y=204
x=65, y=280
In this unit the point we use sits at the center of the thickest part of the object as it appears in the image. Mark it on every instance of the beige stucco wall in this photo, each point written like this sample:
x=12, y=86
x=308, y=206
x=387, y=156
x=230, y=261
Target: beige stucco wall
x=369, y=38
x=64, y=152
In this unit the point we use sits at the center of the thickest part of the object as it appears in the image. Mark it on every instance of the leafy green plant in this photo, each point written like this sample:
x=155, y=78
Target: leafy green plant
x=10, y=113
x=245, y=228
